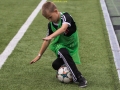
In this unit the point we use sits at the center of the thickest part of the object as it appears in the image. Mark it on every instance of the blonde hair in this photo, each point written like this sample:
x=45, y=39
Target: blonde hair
x=48, y=7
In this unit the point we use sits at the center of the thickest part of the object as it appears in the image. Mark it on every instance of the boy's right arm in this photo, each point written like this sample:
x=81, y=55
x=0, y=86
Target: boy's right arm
x=42, y=50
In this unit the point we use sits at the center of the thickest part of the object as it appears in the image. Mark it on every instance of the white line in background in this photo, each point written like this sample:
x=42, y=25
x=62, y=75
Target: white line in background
x=12, y=44
x=112, y=37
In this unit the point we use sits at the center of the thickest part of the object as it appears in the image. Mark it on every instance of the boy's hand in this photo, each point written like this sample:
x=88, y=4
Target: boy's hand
x=47, y=38
x=35, y=59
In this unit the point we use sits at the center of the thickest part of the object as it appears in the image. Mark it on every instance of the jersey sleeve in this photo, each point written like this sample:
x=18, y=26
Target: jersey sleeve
x=67, y=19
x=49, y=31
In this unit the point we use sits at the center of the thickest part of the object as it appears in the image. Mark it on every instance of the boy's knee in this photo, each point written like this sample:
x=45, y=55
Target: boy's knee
x=55, y=66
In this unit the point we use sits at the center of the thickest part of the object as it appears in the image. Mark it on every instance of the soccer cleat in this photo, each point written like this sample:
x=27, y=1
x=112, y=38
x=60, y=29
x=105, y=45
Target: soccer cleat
x=82, y=82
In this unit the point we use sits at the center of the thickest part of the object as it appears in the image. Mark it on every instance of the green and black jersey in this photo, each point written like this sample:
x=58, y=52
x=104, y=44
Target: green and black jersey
x=69, y=39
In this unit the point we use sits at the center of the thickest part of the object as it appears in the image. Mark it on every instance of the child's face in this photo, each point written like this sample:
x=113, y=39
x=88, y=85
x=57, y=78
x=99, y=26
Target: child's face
x=53, y=16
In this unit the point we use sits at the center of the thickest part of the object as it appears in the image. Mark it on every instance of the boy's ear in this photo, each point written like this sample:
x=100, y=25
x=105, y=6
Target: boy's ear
x=55, y=10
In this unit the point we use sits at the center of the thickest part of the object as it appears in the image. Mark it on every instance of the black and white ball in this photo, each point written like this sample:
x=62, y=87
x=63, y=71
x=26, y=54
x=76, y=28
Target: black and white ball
x=64, y=75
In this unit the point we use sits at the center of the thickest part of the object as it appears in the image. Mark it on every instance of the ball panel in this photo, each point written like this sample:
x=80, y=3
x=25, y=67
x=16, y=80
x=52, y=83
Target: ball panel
x=65, y=69
x=69, y=75
x=60, y=77
x=66, y=80
x=60, y=71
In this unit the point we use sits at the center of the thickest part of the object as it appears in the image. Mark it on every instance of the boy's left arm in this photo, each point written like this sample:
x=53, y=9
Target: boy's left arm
x=57, y=32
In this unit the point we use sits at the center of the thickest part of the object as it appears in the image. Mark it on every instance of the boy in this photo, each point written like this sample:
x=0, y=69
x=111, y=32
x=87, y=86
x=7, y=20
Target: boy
x=62, y=29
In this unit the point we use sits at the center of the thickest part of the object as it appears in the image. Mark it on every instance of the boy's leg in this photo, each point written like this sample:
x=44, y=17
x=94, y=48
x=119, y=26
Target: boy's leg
x=57, y=63
x=77, y=76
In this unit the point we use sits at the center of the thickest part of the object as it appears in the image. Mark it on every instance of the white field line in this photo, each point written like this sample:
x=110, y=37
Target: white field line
x=12, y=44
x=112, y=37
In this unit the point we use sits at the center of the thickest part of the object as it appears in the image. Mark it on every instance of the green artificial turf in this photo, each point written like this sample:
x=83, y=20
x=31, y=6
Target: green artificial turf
x=13, y=14
x=95, y=52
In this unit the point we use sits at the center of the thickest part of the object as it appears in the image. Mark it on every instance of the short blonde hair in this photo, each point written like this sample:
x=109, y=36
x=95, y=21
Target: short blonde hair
x=48, y=7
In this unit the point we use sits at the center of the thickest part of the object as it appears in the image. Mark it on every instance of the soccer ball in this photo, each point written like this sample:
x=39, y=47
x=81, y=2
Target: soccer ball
x=64, y=75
